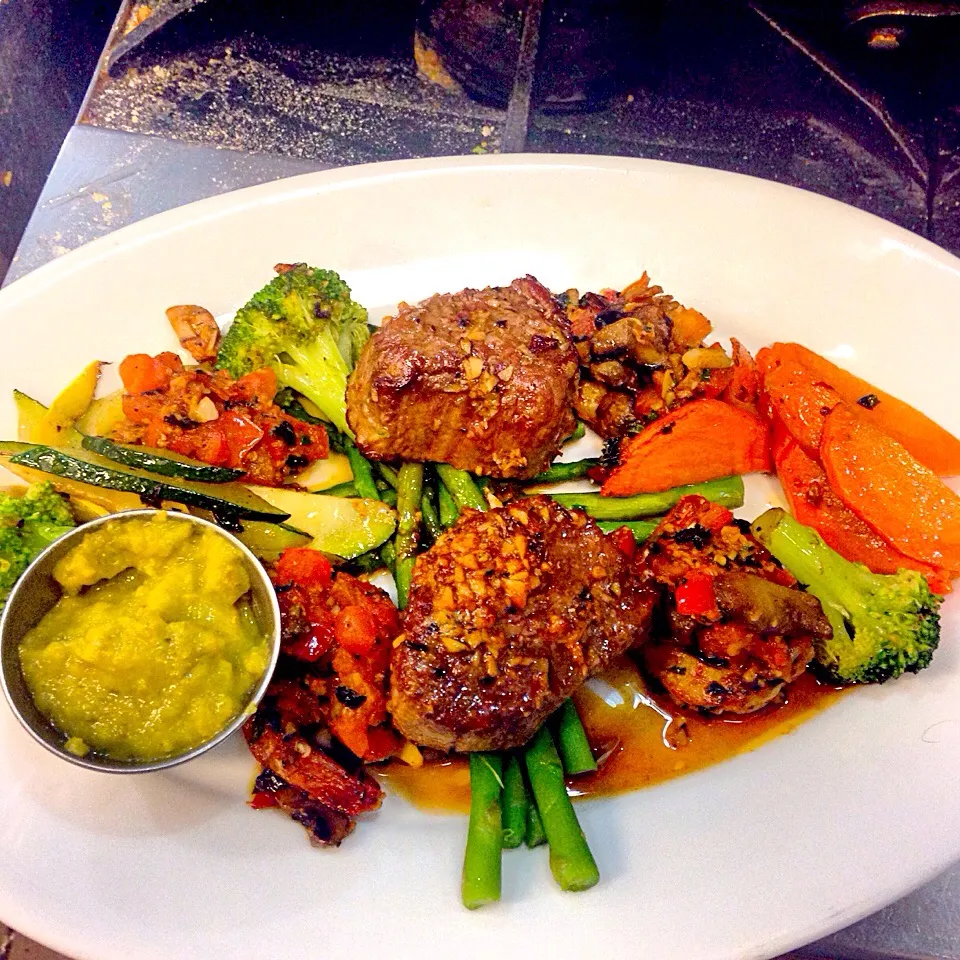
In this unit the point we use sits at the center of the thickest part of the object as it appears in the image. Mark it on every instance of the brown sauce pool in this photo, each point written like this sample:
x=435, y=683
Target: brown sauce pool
x=640, y=739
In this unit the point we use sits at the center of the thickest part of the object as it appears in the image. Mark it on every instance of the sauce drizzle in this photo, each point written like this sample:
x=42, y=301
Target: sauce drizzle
x=639, y=738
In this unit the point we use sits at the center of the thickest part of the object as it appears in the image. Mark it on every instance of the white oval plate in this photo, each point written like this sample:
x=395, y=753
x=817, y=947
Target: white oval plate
x=744, y=860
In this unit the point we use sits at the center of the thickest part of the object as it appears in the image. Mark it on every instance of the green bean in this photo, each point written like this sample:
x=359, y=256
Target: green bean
x=362, y=472
x=462, y=487
x=515, y=804
x=409, y=494
x=558, y=472
x=482, y=857
x=579, y=431
x=727, y=491
x=572, y=741
x=388, y=554
x=571, y=861
x=388, y=474
x=536, y=835
x=430, y=519
x=348, y=489
x=447, y=508
x=641, y=529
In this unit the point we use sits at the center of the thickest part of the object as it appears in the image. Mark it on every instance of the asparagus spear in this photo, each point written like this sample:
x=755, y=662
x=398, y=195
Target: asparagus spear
x=481, y=859
x=462, y=487
x=727, y=491
x=409, y=494
x=572, y=741
x=571, y=861
x=514, y=804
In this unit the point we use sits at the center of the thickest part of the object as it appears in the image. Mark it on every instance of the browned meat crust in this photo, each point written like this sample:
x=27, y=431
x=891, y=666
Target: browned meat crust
x=509, y=613
x=481, y=379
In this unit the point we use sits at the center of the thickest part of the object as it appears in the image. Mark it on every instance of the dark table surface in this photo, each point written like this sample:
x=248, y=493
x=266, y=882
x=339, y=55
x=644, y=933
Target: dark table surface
x=236, y=101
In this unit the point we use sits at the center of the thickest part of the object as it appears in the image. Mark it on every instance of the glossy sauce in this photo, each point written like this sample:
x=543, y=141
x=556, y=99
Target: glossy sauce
x=640, y=739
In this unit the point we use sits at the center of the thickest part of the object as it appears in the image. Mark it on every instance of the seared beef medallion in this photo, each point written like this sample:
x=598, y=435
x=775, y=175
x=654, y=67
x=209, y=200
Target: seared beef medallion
x=482, y=379
x=509, y=612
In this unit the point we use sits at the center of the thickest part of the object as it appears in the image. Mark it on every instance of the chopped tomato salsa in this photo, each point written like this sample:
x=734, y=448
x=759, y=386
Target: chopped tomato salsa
x=212, y=418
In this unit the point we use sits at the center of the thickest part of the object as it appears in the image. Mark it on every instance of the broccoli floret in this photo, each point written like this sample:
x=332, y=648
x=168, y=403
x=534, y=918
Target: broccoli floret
x=304, y=325
x=29, y=522
x=883, y=624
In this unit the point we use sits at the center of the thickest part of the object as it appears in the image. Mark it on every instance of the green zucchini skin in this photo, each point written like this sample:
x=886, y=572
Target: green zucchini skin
x=229, y=502
x=164, y=463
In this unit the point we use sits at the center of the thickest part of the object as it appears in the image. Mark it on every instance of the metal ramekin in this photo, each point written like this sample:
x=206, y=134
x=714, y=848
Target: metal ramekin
x=37, y=592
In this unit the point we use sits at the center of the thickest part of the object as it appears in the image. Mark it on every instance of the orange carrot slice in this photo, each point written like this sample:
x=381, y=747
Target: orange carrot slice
x=795, y=398
x=933, y=446
x=898, y=497
x=814, y=503
x=702, y=440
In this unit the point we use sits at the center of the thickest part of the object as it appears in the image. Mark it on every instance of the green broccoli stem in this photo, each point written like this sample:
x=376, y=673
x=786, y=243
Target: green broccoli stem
x=559, y=472
x=409, y=495
x=829, y=577
x=515, y=804
x=482, y=857
x=641, y=529
x=727, y=491
x=571, y=861
x=320, y=374
x=446, y=508
x=536, y=835
x=572, y=741
x=362, y=472
x=462, y=487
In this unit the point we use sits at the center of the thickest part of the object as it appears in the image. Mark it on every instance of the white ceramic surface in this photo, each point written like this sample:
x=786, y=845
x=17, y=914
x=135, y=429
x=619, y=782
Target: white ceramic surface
x=743, y=860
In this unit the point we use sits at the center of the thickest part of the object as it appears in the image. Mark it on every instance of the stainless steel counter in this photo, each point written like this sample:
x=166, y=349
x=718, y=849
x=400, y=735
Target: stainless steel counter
x=104, y=180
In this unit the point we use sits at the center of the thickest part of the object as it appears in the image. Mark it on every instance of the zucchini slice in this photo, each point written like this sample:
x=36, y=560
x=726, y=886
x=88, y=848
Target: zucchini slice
x=340, y=526
x=165, y=463
x=229, y=502
x=103, y=416
x=268, y=540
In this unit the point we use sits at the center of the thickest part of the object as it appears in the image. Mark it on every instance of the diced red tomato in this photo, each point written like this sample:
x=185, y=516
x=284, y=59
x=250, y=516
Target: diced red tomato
x=624, y=541
x=355, y=629
x=262, y=801
x=304, y=566
x=240, y=433
x=695, y=598
x=142, y=373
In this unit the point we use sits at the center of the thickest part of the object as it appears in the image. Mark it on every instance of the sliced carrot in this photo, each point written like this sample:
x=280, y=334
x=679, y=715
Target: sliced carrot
x=794, y=397
x=930, y=443
x=898, y=497
x=814, y=503
x=702, y=440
